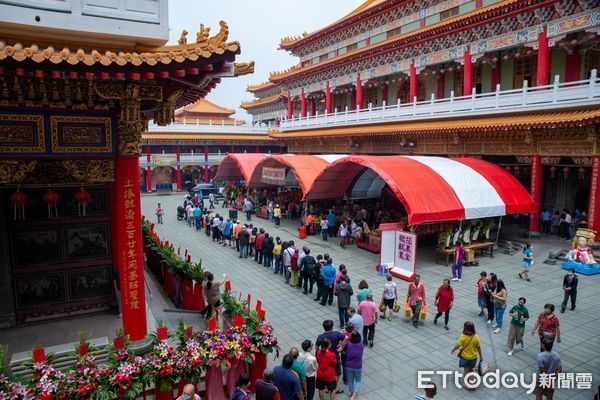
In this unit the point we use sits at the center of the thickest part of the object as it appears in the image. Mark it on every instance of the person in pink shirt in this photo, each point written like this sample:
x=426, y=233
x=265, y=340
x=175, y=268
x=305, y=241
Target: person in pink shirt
x=416, y=298
x=368, y=309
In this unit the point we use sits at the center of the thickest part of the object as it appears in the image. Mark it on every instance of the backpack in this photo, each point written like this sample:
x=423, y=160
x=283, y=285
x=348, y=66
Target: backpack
x=309, y=265
x=294, y=261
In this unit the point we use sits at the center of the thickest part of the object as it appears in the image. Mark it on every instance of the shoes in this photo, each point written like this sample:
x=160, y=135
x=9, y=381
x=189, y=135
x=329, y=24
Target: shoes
x=489, y=321
x=481, y=313
x=454, y=279
x=365, y=343
x=435, y=321
x=495, y=326
x=562, y=310
x=340, y=390
x=341, y=326
x=497, y=330
x=305, y=292
x=322, y=303
x=510, y=353
x=572, y=308
x=460, y=280
x=416, y=324
x=371, y=344
x=317, y=299
x=528, y=280
x=446, y=327
x=520, y=276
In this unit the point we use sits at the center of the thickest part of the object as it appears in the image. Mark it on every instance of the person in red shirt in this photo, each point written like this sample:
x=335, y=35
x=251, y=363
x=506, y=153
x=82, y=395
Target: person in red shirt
x=444, y=298
x=481, y=298
x=547, y=324
x=326, y=373
x=258, y=256
x=416, y=298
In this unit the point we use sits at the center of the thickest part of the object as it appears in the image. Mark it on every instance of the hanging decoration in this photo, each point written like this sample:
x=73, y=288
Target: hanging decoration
x=581, y=171
x=552, y=172
x=18, y=200
x=51, y=198
x=82, y=196
x=566, y=171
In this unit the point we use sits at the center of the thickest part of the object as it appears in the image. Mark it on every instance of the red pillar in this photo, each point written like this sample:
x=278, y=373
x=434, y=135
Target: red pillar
x=148, y=169
x=543, y=63
x=467, y=74
x=313, y=106
x=384, y=94
x=573, y=69
x=359, y=93
x=439, y=92
x=536, y=192
x=257, y=148
x=290, y=111
x=129, y=244
x=328, y=106
x=179, y=186
x=303, y=105
x=414, y=83
x=206, y=173
x=594, y=206
x=496, y=74
x=232, y=149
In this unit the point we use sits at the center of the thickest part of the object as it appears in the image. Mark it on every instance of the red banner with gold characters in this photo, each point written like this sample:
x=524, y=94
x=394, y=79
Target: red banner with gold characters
x=129, y=237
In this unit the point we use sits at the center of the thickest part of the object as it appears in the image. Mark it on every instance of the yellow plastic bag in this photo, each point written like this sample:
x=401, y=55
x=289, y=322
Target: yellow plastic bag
x=406, y=309
x=423, y=315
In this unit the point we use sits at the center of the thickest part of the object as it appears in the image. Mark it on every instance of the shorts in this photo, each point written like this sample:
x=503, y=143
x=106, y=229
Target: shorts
x=331, y=386
x=526, y=265
x=464, y=363
x=389, y=303
x=481, y=301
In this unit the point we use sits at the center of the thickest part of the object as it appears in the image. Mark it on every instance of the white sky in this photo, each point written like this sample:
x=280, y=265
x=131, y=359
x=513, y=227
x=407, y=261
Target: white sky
x=258, y=25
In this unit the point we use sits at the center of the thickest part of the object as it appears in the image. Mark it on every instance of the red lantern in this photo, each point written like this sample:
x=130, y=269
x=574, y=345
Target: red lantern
x=581, y=171
x=82, y=196
x=18, y=200
x=51, y=198
x=552, y=172
x=566, y=171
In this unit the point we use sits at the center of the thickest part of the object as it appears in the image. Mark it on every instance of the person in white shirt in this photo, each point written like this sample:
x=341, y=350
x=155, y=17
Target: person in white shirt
x=309, y=361
x=190, y=215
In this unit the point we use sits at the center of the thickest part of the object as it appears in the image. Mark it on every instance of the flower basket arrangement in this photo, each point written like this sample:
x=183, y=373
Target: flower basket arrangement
x=86, y=380
x=161, y=361
x=127, y=377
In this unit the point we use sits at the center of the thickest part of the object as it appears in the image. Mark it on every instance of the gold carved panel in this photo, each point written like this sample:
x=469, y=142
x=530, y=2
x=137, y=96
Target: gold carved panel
x=81, y=134
x=22, y=133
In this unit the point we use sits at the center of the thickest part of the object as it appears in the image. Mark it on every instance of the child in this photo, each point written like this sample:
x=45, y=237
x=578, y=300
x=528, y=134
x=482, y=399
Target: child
x=527, y=261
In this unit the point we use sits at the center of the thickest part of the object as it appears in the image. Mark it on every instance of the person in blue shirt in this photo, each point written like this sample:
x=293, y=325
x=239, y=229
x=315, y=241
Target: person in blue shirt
x=331, y=223
x=286, y=381
x=198, y=217
x=328, y=273
x=227, y=232
x=527, y=261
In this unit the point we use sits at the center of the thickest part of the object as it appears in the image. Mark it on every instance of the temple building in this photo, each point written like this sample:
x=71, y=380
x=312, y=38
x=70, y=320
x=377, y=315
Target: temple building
x=78, y=85
x=188, y=151
x=510, y=81
x=270, y=104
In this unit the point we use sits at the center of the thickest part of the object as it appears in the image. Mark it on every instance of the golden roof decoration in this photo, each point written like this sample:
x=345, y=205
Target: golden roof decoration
x=291, y=40
x=135, y=55
x=244, y=68
x=264, y=101
x=291, y=70
x=298, y=68
x=204, y=106
x=259, y=86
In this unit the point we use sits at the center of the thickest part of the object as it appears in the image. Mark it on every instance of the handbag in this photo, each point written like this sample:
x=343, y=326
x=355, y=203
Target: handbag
x=396, y=307
x=382, y=306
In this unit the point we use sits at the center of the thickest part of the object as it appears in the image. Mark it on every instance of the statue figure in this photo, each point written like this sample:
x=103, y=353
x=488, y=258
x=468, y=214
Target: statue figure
x=183, y=38
x=220, y=38
x=202, y=36
x=581, y=252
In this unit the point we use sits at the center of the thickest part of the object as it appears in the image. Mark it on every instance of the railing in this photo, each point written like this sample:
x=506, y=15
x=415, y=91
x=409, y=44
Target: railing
x=165, y=159
x=217, y=127
x=539, y=98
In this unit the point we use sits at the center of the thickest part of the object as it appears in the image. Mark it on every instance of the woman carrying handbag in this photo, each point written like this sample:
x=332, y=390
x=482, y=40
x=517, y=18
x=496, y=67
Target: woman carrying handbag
x=470, y=347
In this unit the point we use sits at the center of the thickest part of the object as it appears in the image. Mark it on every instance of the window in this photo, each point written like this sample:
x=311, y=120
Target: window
x=371, y=97
x=393, y=32
x=432, y=19
x=449, y=13
x=351, y=47
x=331, y=54
x=410, y=27
x=592, y=61
x=378, y=38
x=525, y=69
x=342, y=50
x=306, y=63
x=458, y=83
x=323, y=57
x=361, y=44
x=466, y=7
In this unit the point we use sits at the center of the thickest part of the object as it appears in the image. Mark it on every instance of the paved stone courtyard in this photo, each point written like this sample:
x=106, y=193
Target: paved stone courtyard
x=390, y=368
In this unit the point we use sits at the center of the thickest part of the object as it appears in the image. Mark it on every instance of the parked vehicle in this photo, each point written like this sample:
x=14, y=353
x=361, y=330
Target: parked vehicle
x=206, y=189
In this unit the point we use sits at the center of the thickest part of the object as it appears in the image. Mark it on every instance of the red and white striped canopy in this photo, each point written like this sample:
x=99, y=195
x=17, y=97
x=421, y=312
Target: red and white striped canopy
x=432, y=189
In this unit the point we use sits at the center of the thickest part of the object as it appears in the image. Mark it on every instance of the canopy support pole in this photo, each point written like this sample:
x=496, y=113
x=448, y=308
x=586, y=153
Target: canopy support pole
x=499, y=227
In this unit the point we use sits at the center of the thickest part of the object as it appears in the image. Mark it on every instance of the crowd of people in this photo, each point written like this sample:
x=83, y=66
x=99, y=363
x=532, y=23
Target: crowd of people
x=317, y=367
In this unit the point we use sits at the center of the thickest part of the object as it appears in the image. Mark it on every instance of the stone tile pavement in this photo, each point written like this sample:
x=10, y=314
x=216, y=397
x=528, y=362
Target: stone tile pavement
x=390, y=368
